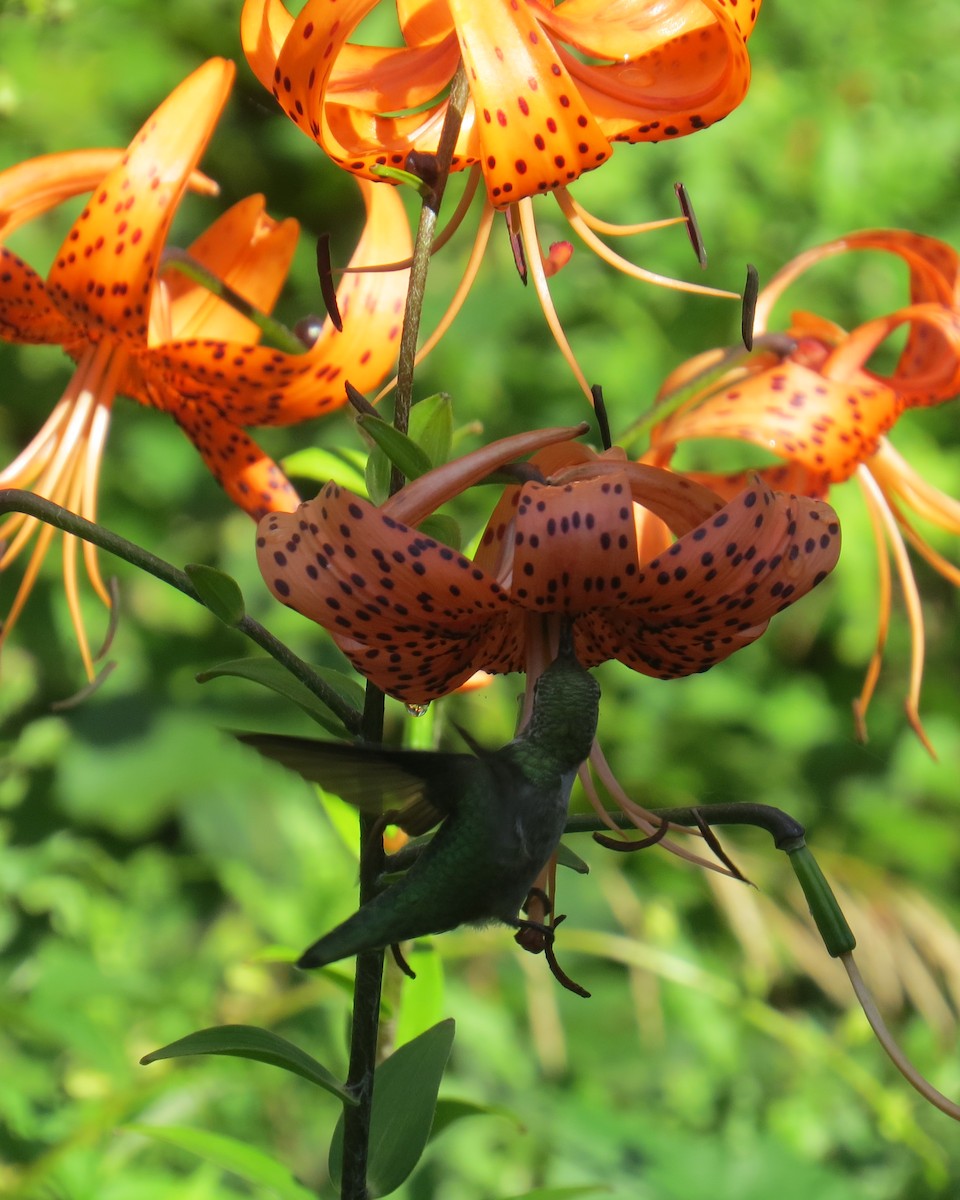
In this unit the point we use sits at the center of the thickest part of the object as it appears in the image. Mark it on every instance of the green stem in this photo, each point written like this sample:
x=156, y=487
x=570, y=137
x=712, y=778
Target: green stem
x=368, y=980
x=788, y=836
x=785, y=830
x=420, y=264
x=15, y=500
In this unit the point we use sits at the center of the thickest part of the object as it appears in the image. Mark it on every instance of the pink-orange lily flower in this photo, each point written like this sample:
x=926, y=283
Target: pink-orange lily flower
x=166, y=342
x=552, y=87
x=418, y=617
x=810, y=397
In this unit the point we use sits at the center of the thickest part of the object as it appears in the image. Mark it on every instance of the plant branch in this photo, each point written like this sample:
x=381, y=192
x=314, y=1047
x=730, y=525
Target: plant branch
x=439, y=167
x=369, y=972
x=15, y=500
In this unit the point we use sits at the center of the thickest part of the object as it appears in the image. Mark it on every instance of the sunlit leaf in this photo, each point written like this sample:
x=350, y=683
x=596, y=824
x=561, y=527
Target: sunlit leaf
x=431, y=427
x=313, y=462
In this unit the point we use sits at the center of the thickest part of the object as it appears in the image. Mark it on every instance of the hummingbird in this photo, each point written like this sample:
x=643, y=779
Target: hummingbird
x=500, y=813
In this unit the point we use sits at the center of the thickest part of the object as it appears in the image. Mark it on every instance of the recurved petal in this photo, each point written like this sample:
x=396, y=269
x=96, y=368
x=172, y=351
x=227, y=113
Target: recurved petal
x=714, y=590
x=27, y=313
x=575, y=545
x=257, y=385
x=104, y=273
x=933, y=266
x=31, y=188
x=535, y=131
x=248, y=251
x=788, y=477
x=250, y=477
x=680, y=66
x=264, y=26
x=826, y=425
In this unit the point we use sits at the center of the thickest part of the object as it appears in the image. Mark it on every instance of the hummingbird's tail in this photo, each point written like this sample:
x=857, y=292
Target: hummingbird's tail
x=375, y=926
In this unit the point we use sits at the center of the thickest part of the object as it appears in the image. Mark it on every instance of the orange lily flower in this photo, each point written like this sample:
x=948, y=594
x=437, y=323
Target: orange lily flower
x=163, y=340
x=418, y=618
x=552, y=87
x=809, y=397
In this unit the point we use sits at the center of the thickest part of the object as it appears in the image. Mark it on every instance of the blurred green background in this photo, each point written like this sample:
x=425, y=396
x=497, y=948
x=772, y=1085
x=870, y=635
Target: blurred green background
x=148, y=866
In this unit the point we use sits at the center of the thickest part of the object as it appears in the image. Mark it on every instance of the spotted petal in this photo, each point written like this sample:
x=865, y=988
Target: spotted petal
x=828, y=426
x=251, y=478
x=542, y=112
x=104, y=273
x=535, y=133
x=408, y=611
x=27, y=313
x=714, y=590
x=257, y=385
x=672, y=68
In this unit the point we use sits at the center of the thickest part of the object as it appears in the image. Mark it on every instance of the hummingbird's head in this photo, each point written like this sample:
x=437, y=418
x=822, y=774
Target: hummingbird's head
x=566, y=704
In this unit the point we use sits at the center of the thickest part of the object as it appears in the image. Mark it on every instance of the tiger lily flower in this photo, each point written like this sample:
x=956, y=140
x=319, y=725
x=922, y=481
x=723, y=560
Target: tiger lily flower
x=809, y=397
x=552, y=88
x=418, y=618
x=152, y=335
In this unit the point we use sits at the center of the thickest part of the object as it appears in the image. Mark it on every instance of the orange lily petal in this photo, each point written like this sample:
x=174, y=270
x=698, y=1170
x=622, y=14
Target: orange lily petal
x=251, y=253
x=257, y=385
x=927, y=369
x=27, y=314
x=109, y=260
x=534, y=131
x=418, y=617
x=715, y=589
x=827, y=426
x=390, y=595
x=31, y=188
x=250, y=477
x=541, y=112
x=674, y=67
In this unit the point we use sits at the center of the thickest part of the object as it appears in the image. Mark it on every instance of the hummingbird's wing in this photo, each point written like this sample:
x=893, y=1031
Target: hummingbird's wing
x=420, y=784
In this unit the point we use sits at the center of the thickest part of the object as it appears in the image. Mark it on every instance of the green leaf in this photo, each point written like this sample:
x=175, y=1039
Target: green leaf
x=431, y=427
x=249, y=1041
x=442, y=529
x=239, y=1157
x=404, y=1103
x=269, y=673
x=450, y=1111
x=219, y=591
x=400, y=449
x=567, y=858
x=421, y=1006
x=344, y=467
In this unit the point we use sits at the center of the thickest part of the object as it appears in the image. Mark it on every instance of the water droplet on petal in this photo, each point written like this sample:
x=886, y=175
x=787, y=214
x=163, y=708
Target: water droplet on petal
x=417, y=710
